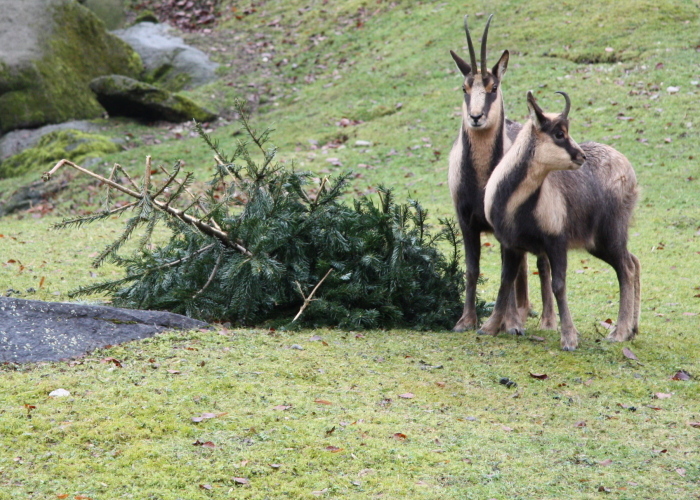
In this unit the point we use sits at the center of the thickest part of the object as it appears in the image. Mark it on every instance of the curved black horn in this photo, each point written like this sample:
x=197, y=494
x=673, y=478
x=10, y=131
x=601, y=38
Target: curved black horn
x=483, y=46
x=472, y=54
x=567, y=107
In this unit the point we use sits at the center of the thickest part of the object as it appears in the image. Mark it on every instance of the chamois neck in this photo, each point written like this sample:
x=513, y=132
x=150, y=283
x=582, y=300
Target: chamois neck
x=487, y=144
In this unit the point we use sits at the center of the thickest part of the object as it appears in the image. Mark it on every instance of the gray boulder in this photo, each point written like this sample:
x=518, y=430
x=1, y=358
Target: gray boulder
x=49, y=51
x=31, y=330
x=169, y=62
x=17, y=141
x=122, y=96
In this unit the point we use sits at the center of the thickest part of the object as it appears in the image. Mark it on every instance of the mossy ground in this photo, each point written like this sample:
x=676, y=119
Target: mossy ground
x=131, y=428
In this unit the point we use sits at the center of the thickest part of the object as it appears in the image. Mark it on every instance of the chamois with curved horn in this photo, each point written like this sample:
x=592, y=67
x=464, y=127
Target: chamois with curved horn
x=549, y=194
x=484, y=136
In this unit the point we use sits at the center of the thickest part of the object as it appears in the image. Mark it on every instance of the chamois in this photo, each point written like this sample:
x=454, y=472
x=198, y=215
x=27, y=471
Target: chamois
x=484, y=136
x=549, y=194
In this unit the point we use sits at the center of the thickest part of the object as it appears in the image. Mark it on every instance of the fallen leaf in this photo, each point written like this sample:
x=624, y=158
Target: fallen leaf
x=315, y=338
x=657, y=408
x=605, y=462
x=333, y=449
x=440, y=384
x=174, y=372
x=681, y=375
x=582, y=423
x=319, y=492
x=275, y=466
x=603, y=489
x=662, y=395
x=539, y=376
x=206, y=416
x=58, y=496
x=407, y=395
x=694, y=424
x=205, y=486
x=537, y=339
x=240, y=480
x=399, y=436
x=681, y=471
x=330, y=431
x=281, y=407
x=116, y=362
x=506, y=428
x=629, y=354
x=322, y=402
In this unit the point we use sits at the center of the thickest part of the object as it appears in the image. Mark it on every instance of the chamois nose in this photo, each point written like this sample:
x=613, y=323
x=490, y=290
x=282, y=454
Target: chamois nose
x=580, y=159
x=476, y=118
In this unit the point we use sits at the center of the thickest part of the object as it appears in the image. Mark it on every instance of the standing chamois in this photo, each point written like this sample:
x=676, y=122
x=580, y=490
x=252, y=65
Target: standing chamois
x=484, y=136
x=549, y=194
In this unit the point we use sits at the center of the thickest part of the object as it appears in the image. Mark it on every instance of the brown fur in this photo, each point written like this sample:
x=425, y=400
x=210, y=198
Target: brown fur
x=541, y=200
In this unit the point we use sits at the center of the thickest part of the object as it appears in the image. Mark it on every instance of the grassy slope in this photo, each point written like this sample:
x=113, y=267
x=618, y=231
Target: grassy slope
x=131, y=427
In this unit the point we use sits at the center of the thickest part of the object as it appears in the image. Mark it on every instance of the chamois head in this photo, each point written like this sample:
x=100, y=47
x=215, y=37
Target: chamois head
x=555, y=150
x=481, y=86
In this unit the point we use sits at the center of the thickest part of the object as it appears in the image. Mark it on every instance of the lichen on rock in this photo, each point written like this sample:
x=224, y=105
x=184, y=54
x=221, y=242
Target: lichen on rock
x=73, y=145
x=51, y=50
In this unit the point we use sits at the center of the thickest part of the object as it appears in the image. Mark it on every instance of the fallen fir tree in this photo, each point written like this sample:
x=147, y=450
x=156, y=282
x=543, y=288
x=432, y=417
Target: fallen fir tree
x=267, y=244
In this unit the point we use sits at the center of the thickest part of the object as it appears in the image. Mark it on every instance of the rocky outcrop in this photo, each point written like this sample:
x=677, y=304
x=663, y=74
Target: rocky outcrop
x=169, y=63
x=70, y=144
x=51, y=50
x=122, y=96
x=17, y=141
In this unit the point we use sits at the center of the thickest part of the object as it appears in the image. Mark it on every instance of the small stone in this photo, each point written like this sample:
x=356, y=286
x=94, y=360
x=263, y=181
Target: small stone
x=59, y=393
x=297, y=347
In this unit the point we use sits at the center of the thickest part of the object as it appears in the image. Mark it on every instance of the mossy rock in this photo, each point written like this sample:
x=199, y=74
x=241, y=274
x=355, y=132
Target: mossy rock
x=54, y=48
x=69, y=144
x=122, y=96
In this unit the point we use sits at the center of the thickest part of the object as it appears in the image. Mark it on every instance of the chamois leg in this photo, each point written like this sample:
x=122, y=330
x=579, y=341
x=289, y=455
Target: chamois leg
x=509, y=270
x=472, y=252
x=515, y=316
x=627, y=276
x=522, y=298
x=548, y=320
x=637, y=294
x=569, y=334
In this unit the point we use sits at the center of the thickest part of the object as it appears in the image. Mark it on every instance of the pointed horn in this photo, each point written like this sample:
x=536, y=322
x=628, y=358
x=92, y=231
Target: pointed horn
x=483, y=46
x=472, y=54
x=567, y=107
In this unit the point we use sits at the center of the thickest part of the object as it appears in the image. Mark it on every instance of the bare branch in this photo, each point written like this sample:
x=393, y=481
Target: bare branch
x=211, y=276
x=307, y=300
x=180, y=214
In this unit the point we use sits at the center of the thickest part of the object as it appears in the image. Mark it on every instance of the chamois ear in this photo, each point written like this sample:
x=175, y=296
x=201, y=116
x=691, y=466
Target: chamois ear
x=461, y=64
x=536, y=113
x=500, y=68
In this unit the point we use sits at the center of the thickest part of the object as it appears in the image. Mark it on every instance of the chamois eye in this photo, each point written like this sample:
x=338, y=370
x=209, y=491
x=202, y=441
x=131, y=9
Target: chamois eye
x=559, y=134
x=494, y=88
x=464, y=89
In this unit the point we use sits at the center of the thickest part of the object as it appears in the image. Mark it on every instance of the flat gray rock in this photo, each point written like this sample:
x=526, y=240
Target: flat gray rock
x=17, y=141
x=174, y=64
x=32, y=330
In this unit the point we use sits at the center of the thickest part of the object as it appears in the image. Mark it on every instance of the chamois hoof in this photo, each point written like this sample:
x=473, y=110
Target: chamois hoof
x=568, y=347
x=516, y=330
x=618, y=335
x=461, y=327
x=548, y=324
x=481, y=331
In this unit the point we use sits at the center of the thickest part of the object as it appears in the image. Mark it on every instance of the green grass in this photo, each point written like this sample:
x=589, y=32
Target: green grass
x=128, y=432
